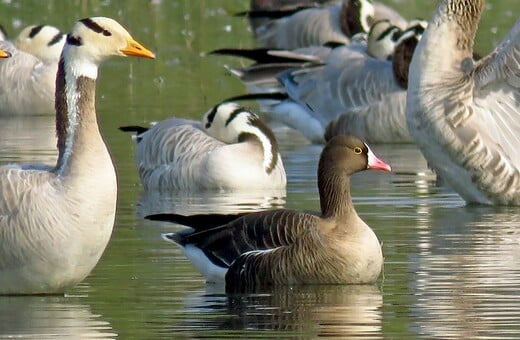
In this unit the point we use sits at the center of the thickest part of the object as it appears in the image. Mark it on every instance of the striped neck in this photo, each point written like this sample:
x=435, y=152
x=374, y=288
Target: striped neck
x=257, y=130
x=75, y=104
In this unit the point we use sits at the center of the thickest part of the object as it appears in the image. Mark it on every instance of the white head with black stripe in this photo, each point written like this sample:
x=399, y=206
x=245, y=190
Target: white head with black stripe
x=231, y=123
x=45, y=42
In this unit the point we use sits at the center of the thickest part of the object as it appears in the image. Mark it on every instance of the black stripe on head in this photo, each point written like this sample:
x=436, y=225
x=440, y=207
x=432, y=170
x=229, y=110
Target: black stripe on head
x=234, y=114
x=72, y=40
x=35, y=30
x=211, y=117
x=395, y=35
x=57, y=38
x=95, y=27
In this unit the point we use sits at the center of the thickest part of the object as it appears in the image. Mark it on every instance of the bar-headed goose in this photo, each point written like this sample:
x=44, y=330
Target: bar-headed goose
x=372, y=103
x=336, y=22
x=27, y=79
x=56, y=222
x=350, y=93
x=231, y=149
x=465, y=115
x=282, y=246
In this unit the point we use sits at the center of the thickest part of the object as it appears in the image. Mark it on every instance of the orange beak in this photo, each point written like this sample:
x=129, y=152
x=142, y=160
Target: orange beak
x=4, y=54
x=135, y=49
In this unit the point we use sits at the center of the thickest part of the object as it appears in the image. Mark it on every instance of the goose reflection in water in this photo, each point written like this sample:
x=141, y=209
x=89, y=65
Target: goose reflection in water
x=483, y=244
x=28, y=138
x=310, y=311
x=51, y=317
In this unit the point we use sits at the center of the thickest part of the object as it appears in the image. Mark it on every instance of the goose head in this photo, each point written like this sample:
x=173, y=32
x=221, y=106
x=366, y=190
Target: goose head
x=404, y=51
x=45, y=42
x=92, y=40
x=341, y=157
x=4, y=54
x=346, y=155
x=356, y=16
x=382, y=39
x=231, y=123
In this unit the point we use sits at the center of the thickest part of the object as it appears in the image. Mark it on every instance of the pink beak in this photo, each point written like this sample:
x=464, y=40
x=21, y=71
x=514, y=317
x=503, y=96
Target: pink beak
x=376, y=163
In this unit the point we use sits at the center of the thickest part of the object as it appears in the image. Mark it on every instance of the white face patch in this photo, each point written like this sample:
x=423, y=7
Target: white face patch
x=367, y=11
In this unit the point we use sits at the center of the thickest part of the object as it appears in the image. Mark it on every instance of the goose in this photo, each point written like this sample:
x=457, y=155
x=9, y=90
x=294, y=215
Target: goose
x=285, y=247
x=376, y=95
x=464, y=115
x=55, y=222
x=231, y=149
x=27, y=79
x=335, y=21
x=350, y=92
x=316, y=26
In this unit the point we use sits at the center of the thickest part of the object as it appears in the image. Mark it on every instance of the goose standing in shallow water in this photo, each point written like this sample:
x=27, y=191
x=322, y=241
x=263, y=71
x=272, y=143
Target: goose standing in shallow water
x=465, y=115
x=231, y=150
x=56, y=222
x=277, y=247
x=28, y=78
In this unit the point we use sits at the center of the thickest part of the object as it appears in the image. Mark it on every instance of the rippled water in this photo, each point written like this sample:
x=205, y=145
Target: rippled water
x=451, y=271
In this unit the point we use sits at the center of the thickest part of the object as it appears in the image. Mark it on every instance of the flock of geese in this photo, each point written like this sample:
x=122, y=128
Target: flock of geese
x=340, y=72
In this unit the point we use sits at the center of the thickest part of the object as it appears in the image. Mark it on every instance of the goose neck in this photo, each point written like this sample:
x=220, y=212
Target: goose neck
x=334, y=189
x=75, y=109
x=258, y=132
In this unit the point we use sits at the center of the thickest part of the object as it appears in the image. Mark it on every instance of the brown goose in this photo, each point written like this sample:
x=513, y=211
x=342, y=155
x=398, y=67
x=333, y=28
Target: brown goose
x=465, y=115
x=283, y=246
x=55, y=222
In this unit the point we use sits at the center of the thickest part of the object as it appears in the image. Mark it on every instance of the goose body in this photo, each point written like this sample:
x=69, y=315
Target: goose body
x=335, y=22
x=55, y=222
x=283, y=246
x=351, y=93
x=232, y=149
x=27, y=79
x=464, y=115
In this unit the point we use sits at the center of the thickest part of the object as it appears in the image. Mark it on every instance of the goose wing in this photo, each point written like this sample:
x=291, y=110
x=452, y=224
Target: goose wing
x=349, y=79
x=497, y=97
x=172, y=152
x=262, y=231
x=383, y=121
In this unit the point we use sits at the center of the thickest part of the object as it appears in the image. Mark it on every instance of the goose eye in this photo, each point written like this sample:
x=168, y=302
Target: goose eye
x=357, y=150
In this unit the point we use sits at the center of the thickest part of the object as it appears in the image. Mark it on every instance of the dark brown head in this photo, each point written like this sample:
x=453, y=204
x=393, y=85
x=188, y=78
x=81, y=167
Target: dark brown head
x=404, y=52
x=346, y=155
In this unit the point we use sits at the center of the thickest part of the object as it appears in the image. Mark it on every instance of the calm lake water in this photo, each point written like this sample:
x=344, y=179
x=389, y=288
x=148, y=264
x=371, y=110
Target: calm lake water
x=451, y=271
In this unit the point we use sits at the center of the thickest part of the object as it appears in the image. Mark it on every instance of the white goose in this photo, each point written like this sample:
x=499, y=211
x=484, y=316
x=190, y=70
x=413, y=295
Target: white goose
x=288, y=247
x=27, y=79
x=56, y=222
x=232, y=149
x=465, y=115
